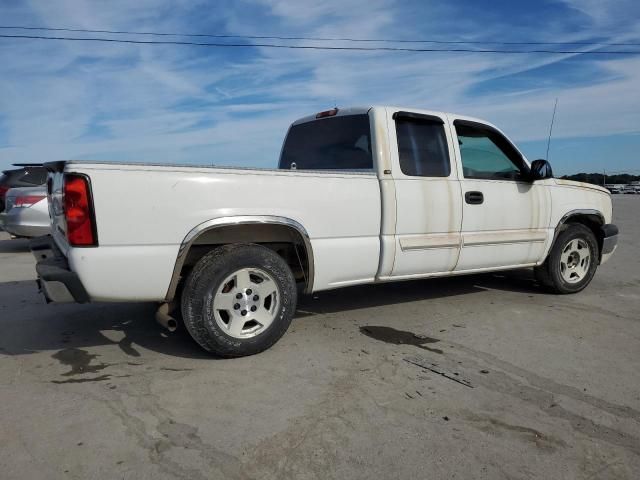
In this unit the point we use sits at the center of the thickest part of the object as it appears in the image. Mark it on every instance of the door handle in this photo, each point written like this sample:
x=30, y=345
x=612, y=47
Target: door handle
x=474, y=198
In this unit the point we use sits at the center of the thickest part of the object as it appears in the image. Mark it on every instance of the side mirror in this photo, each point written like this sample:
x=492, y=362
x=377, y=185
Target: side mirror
x=540, y=169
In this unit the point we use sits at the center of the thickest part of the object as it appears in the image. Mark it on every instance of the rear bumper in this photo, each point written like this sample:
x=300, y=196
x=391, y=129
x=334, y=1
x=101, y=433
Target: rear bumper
x=57, y=282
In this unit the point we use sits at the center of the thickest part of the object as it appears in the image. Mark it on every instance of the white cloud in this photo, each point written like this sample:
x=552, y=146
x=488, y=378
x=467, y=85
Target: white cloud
x=606, y=14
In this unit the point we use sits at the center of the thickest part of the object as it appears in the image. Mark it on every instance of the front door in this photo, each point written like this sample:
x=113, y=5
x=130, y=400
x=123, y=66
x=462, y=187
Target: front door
x=505, y=216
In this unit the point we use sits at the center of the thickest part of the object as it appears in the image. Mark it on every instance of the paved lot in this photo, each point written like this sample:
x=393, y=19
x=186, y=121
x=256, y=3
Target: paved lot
x=520, y=384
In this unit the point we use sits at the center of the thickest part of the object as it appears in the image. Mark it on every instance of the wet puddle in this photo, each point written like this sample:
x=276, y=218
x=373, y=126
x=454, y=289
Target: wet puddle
x=79, y=362
x=400, y=337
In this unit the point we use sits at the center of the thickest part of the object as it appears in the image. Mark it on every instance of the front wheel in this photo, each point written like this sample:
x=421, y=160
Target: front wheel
x=239, y=300
x=572, y=262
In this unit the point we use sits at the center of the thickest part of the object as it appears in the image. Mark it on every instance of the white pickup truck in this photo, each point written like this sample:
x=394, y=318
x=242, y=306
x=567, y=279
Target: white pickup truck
x=361, y=195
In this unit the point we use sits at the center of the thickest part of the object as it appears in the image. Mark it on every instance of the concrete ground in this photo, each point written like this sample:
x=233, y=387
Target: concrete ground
x=517, y=384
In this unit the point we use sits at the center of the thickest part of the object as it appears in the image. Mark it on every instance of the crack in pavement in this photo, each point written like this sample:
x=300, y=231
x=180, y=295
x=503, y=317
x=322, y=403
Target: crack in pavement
x=540, y=392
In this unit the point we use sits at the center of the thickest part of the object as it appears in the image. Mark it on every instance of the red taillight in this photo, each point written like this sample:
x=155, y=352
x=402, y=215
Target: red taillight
x=27, y=200
x=3, y=190
x=78, y=211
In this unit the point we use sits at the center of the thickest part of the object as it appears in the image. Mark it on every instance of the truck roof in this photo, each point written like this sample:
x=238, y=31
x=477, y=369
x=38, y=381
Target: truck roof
x=359, y=110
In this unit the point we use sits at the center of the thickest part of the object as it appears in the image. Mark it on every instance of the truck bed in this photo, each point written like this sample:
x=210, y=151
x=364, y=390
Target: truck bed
x=145, y=212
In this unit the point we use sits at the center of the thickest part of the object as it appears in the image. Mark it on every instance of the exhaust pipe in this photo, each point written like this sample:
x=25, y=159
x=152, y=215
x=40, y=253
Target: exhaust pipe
x=164, y=319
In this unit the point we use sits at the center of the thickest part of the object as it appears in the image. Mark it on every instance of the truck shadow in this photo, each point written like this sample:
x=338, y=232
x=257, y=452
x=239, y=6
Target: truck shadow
x=30, y=326
x=368, y=296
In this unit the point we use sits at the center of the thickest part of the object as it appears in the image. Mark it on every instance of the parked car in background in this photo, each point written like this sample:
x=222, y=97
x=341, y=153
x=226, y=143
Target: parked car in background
x=614, y=190
x=26, y=212
x=362, y=195
x=630, y=190
x=27, y=175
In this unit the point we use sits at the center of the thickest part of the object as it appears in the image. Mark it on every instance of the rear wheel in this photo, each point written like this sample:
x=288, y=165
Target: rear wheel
x=572, y=262
x=239, y=300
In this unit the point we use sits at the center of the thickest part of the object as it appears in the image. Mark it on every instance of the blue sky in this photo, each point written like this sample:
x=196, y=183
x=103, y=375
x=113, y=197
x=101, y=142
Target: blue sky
x=176, y=104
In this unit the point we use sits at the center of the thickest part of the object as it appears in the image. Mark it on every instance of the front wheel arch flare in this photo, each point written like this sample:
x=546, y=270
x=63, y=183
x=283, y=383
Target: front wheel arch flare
x=592, y=220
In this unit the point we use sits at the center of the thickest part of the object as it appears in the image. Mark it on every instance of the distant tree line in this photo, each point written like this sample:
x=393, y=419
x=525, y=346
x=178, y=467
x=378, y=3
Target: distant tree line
x=599, y=179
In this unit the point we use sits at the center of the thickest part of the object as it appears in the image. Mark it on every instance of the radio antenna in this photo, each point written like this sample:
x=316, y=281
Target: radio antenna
x=551, y=127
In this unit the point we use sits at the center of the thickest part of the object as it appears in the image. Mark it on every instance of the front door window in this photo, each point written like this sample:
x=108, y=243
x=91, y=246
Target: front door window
x=487, y=155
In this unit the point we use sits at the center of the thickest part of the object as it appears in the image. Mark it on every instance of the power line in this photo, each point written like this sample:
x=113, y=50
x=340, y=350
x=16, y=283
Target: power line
x=318, y=47
x=317, y=39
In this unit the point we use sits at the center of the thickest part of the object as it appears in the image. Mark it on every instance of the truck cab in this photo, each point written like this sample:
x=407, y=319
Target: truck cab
x=456, y=194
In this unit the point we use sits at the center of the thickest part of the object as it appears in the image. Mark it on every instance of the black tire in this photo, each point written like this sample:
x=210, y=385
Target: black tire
x=206, y=279
x=549, y=274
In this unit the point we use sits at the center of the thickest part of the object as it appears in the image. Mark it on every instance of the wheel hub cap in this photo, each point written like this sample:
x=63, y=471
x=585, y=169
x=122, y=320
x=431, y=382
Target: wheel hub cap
x=246, y=303
x=575, y=260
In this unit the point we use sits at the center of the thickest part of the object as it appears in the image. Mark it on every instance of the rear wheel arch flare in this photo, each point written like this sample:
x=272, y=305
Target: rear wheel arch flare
x=246, y=229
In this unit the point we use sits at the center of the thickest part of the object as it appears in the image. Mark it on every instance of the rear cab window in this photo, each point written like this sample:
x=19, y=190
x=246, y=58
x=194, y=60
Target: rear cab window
x=334, y=143
x=422, y=145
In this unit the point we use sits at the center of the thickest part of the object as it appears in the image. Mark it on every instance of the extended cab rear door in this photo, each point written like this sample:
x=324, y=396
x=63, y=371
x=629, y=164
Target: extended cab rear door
x=427, y=191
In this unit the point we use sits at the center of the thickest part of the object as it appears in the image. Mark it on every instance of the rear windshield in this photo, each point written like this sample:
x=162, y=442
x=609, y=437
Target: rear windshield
x=338, y=143
x=24, y=177
x=34, y=176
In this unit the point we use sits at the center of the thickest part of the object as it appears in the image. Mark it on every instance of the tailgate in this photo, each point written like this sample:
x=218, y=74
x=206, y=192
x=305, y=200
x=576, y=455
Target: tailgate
x=55, y=185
